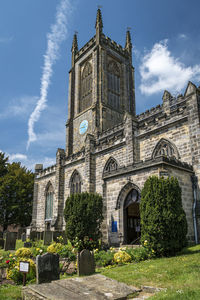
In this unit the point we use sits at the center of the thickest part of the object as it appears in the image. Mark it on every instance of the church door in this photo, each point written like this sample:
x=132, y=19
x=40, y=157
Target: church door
x=132, y=218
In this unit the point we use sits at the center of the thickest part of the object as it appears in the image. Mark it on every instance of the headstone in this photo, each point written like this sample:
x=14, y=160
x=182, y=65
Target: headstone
x=85, y=263
x=10, y=241
x=33, y=235
x=23, y=237
x=48, y=237
x=47, y=267
x=19, y=233
x=1, y=243
x=27, y=245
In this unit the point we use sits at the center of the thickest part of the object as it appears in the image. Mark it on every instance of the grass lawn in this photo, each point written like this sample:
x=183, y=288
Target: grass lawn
x=180, y=275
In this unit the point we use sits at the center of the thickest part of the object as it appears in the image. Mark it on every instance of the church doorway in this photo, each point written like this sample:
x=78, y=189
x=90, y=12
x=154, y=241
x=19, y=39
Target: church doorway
x=132, y=229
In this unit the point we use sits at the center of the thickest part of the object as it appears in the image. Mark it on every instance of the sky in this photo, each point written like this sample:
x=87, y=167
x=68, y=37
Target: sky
x=35, y=58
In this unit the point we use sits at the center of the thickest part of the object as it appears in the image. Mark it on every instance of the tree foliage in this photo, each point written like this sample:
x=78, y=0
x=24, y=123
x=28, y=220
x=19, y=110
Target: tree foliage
x=83, y=215
x=163, y=220
x=16, y=194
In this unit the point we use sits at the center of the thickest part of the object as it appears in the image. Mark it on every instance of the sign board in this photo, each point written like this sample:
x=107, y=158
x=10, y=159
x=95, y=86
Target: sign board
x=24, y=266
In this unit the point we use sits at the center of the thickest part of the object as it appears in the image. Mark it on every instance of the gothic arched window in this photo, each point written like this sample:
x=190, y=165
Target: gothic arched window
x=111, y=165
x=164, y=147
x=75, y=183
x=49, y=202
x=113, y=85
x=86, y=87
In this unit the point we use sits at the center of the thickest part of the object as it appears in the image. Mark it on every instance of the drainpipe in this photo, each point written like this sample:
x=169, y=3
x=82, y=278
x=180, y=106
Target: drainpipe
x=194, y=188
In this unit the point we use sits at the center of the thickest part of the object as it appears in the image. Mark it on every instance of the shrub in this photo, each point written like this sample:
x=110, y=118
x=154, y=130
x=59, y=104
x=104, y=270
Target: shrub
x=14, y=274
x=140, y=254
x=121, y=257
x=23, y=252
x=103, y=258
x=83, y=215
x=54, y=248
x=163, y=220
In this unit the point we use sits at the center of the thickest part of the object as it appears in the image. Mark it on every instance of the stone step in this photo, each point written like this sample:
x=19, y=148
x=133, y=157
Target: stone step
x=94, y=287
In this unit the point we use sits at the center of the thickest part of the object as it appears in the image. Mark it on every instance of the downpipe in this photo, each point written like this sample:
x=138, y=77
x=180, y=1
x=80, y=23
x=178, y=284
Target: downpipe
x=194, y=188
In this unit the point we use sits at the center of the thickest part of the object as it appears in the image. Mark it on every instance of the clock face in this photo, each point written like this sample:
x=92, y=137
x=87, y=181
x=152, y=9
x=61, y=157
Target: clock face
x=83, y=127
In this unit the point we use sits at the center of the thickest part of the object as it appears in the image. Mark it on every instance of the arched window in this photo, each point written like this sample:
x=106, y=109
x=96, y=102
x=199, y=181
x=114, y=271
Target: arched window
x=110, y=165
x=113, y=85
x=75, y=183
x=86, y=87
x=49, y=202
x=164, y=147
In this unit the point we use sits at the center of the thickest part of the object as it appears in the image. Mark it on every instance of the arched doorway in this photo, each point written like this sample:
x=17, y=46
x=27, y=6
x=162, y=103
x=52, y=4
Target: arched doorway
x=132, y=217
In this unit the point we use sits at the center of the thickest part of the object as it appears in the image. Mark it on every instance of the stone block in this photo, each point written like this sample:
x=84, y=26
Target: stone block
x=47, y=268
x=27, y=245
x=33, y=235
x=85, y=263
x=23, y=237
x=10, y=241
x=48, y=237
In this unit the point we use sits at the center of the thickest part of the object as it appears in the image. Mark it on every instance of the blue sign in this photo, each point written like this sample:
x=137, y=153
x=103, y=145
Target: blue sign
x=83, y=127
x=114, y=226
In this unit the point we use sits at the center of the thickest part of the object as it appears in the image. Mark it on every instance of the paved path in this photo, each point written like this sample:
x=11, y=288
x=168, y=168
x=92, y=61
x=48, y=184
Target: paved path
x=94, y=287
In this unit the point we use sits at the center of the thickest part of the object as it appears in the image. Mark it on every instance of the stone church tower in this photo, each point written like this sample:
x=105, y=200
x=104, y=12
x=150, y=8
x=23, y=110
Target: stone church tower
x=111, y=150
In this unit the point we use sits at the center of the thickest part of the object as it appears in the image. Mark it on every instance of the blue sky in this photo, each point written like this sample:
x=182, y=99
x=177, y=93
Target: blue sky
x=166, y=55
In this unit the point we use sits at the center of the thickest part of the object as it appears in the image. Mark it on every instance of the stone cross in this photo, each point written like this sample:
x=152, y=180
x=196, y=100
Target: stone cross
x=85, y=263
x=47, y=268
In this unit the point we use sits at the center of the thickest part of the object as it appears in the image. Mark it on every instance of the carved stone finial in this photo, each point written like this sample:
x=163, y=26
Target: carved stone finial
x=128, y=45
x=99, y=22
x=75, y=43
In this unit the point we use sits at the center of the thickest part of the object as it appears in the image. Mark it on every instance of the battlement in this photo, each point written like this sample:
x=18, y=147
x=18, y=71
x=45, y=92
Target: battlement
x=112, y=44
x=47, y=171
x=85, y=48
x=75, y=156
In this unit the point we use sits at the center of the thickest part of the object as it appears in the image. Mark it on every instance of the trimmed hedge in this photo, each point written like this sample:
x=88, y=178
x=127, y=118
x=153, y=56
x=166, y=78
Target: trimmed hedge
x=163, y=220
x=83, y=215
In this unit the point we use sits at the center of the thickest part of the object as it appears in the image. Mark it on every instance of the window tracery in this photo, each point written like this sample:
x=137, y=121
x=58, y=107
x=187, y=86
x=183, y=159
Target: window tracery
x=75, y=183
x=164, y=147
x=113, y=85
x=49, y=202
x=111, y=165
x=86, y=87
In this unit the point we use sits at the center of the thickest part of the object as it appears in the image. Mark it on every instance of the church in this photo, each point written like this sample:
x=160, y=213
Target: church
x=112, y=151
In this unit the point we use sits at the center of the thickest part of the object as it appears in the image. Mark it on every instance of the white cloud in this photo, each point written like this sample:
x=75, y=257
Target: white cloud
x=54, y=38
x=160, y=70
x=182, y=36
x=19, y=107
x=17, y=157
x=6, y=40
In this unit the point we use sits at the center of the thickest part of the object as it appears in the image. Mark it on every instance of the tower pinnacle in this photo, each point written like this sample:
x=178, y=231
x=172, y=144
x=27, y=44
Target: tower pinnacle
x=128, y=45
x=99, y=22
x=74, y=48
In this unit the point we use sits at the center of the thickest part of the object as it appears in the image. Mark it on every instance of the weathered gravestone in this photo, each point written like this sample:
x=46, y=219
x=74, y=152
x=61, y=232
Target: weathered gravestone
x=33, y=235
x=10, y=241
x=1, y=243
x=47, y=268
x=27, y=245
x=19, y=233
x=85, y=263
x=23, y=237
x=48, y=237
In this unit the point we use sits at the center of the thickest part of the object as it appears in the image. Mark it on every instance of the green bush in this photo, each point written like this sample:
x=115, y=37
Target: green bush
x=103, y=258
x=163, y=220
x=83, y=215
x=139, y=254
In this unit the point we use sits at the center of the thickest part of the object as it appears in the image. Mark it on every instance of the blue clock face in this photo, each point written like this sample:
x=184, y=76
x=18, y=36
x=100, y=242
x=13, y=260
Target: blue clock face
x=83, y=127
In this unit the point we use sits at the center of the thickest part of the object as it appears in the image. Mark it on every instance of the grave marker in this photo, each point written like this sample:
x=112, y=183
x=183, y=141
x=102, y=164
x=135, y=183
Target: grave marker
x=10, y=241
x=85, y=263
x=47, y=268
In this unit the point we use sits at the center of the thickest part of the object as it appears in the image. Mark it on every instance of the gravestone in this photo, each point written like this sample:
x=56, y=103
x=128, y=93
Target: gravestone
x=1, y=243
x=28, y=231
x=27, y=245
x=23, y=237
x=19, y=233
x=48, y=237
x=47, y=268
x=10, y=241
x=85, y=263
x=33, y=235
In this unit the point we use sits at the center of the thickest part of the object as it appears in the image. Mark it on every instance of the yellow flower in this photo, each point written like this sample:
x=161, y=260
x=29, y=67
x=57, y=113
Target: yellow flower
x=10, y=255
